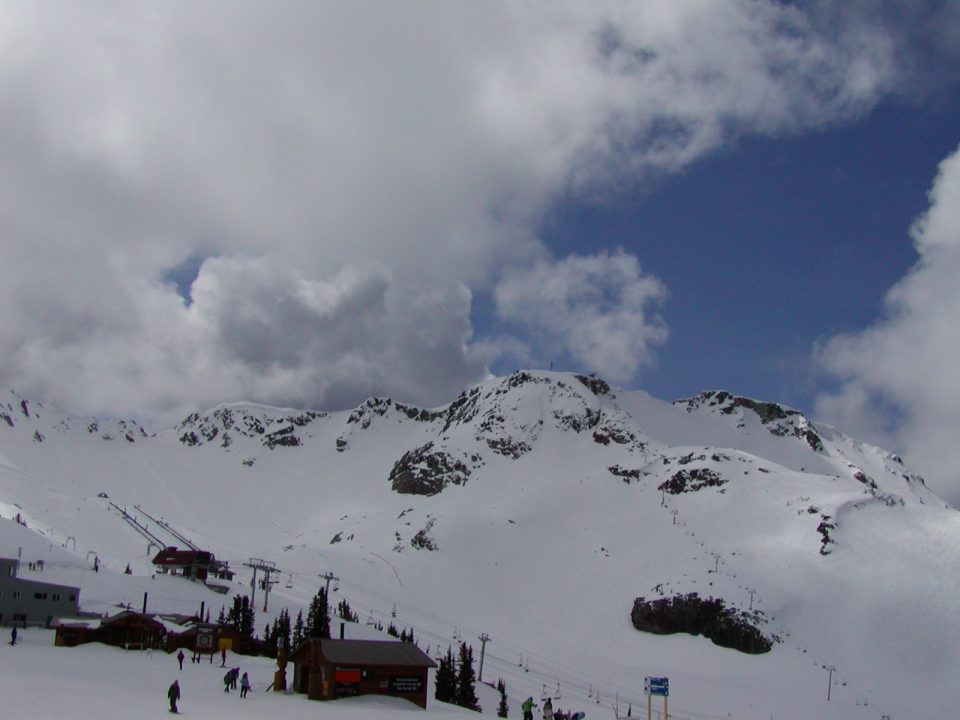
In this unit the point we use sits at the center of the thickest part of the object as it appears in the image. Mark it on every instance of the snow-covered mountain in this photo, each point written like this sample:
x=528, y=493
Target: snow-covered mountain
x=535, y=508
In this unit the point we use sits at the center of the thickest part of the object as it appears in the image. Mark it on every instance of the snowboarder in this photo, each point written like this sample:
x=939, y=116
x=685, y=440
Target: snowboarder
x=244, y=685
x=180, y=657
x=548, y=709
x=527, y=707
x=13, y=636
x=173, y=694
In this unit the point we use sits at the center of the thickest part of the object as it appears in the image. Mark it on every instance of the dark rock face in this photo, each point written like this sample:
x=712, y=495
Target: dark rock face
x=594, y=384
x=691, y=481
x=507, y=447
x=778, y=420
x=709, y=617
x=427, y=471
x=824, y=529
x=374, y=407
x=422, y=540
x=199, y=429
x=626, y=474
x=283, y=437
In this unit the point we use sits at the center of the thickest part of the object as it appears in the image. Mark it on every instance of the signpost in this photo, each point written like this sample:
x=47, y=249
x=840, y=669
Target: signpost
x=656, y=686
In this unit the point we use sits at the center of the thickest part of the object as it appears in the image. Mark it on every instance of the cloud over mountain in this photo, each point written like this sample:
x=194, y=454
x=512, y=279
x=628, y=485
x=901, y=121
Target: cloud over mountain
x=330, y=185
x=898, y=377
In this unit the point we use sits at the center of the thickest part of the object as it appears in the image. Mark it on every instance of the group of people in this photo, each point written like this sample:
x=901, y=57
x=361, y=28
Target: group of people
x=230, y=681
x=548, y=712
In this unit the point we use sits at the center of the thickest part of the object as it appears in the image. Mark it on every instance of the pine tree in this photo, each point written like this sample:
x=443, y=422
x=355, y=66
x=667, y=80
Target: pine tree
x=298, y=631
x=503, y=708
x=446, y=678
x=246, y=618
x=283, y=631
x=466, y=694
x=318, y=617
x=344, y=611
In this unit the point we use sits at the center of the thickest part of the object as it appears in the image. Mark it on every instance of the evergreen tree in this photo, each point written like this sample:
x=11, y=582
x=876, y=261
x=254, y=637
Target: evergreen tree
x=298, y=631
x=446, y=678
x=283, y=631
x=246, y=618
x=241, y=617
x=503, y=708
x=222, y=620
x=318, y=617
x=466, y=694
x=344, y=611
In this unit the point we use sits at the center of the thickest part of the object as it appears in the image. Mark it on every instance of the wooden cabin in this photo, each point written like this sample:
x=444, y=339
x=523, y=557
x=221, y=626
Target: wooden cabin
x=127, y=629
x=326, y=669
x=142, y=631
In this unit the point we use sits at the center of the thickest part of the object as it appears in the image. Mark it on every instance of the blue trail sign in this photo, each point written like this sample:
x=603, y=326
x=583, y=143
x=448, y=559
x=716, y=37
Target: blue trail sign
x=657, y=686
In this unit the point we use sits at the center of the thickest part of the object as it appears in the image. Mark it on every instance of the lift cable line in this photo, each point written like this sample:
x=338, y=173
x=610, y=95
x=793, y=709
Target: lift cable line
x=136, y=525
x=166, y=526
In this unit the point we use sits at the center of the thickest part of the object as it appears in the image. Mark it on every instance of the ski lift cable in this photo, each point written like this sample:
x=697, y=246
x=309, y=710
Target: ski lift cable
x=545, y=668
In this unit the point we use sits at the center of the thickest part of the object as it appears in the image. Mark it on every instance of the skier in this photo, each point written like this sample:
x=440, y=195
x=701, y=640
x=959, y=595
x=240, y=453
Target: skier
x=180, y=657
x=244, y=685
x=227, y=681
x=223, y=657
x=548, y=709
x=527, y=707
x=173, y=694
x=235, y=675
x=13, y=636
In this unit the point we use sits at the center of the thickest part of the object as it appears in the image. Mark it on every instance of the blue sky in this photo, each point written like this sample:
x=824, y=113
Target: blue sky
x=307, y=204
x=772, y=244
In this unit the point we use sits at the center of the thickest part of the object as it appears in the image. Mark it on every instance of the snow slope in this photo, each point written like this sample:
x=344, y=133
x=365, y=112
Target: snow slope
x=554, y=501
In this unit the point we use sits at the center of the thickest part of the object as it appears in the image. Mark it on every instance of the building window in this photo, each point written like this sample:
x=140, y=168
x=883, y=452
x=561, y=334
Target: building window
x=19, y=617
x=16, y=594
x=40, y=596
x=56, y=597
x=73, y=598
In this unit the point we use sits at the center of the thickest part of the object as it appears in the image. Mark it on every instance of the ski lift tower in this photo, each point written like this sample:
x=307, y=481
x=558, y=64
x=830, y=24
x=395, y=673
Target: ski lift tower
x=267, y=567
x=328, y=576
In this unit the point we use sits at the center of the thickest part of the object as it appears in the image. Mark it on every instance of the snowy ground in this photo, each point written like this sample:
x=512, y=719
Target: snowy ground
x=544, y=552
x=96, y=682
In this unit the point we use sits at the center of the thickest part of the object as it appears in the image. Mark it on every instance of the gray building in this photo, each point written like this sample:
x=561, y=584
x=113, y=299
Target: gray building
x=32, y=602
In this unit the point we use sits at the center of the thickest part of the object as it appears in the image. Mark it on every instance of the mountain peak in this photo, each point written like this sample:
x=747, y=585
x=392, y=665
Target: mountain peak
x=778, y=419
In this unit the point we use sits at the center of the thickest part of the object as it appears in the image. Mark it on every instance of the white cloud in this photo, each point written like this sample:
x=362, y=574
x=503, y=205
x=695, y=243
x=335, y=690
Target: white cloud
x=898, y=378
x=598, y=310
x=352, y=172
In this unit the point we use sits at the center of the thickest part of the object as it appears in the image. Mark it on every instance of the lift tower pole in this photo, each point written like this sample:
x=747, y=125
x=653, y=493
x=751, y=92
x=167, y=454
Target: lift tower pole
x=268, y=567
